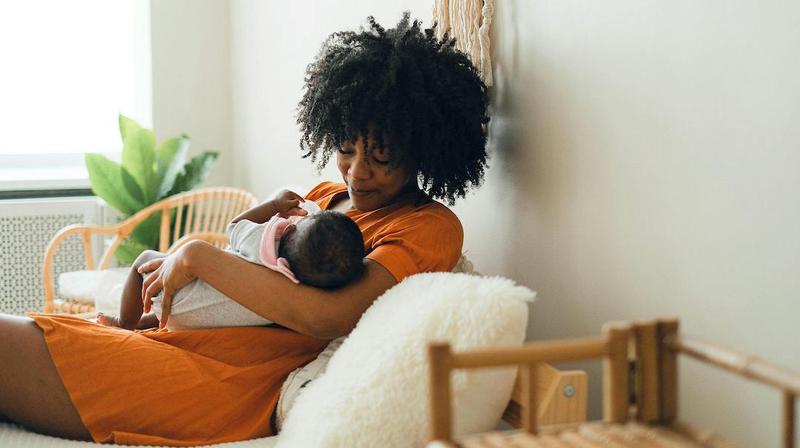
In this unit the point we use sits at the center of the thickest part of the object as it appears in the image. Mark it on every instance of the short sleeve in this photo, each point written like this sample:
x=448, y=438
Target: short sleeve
x=425, y=241
x=324, y=192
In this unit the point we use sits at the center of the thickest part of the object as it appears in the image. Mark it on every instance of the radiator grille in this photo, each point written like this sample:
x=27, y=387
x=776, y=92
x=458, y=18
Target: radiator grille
x=24, y=235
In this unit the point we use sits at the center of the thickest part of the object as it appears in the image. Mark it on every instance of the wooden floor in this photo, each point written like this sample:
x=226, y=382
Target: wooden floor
x=589, y=435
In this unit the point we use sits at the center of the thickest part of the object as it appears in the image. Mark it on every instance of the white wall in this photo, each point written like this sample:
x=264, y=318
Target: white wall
x=191, y=84
x=655, y=155
x=644, y=164
x=271, y=45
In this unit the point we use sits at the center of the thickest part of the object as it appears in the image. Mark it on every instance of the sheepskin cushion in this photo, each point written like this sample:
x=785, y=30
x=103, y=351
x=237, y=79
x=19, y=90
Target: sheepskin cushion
x=375, y=389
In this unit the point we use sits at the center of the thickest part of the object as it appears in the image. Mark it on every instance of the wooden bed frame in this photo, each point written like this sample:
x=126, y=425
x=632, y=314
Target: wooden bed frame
x=640, y=380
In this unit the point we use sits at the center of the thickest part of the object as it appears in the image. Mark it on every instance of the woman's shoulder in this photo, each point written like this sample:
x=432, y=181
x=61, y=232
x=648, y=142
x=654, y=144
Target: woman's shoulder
x=430, y=214
x=325, y=190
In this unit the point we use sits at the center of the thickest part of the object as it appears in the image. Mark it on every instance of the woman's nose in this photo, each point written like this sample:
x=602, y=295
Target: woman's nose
x=360, y=169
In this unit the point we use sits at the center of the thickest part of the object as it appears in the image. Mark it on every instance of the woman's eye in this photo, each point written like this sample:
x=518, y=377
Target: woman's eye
x=381, y=157
x=345, y=151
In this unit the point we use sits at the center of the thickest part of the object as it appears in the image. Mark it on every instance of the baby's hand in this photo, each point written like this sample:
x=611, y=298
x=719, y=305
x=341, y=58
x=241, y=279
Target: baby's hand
x=287, y=203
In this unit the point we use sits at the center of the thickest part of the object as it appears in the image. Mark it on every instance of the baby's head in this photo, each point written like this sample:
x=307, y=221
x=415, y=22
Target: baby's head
x=325, y=250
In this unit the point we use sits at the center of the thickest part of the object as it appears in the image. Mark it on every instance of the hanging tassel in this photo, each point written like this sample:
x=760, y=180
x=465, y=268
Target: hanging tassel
x=469, y=22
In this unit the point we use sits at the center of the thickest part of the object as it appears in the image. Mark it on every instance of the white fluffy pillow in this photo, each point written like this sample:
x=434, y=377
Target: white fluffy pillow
x=375, y=389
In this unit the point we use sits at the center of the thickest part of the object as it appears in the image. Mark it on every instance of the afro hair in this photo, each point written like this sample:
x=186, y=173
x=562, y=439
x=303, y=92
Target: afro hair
x=409, y=91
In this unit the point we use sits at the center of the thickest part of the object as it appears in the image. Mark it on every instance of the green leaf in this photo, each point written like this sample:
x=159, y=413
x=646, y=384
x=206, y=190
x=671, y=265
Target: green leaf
x=144, y=236
x=147, y=232
x=131, y=186
x=138, y=157
x=128, y=251
x=106, y=179
x=127, y=126
x=194, y=172
x=170, y=158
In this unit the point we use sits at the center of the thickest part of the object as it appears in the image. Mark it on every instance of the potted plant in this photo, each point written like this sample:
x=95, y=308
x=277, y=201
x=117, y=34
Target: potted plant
x=148, y=173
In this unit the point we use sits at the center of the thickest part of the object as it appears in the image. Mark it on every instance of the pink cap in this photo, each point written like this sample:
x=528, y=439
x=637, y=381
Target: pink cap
x=276, y=227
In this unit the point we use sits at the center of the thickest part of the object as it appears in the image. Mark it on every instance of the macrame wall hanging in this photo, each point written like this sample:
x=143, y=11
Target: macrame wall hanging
x=469, y=21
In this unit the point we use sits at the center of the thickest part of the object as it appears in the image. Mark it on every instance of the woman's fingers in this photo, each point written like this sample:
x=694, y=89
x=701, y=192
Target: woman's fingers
x=152, y=291
x=147, y=281
x=151, y=265
x=166, y=307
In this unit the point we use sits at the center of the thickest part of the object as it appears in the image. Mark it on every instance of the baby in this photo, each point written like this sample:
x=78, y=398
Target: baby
x=323, y=249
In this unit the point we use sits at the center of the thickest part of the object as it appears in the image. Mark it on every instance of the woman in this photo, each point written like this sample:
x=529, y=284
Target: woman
x=404, y=115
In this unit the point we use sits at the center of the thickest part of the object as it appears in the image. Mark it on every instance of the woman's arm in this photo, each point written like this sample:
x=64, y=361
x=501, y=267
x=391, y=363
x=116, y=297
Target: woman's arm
x=325, y=314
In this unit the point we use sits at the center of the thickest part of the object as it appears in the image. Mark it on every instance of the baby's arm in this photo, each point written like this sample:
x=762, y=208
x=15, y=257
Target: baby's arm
x=130, y=311
x=286, y=203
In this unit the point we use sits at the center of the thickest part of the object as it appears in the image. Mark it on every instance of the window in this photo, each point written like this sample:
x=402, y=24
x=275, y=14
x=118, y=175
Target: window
x=69, y=69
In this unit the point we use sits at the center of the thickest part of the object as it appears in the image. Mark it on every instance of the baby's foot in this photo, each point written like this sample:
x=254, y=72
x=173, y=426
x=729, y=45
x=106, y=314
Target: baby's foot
x=108, y=321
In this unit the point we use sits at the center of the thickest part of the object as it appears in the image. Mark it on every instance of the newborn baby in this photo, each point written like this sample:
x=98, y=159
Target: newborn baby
x=323, y=249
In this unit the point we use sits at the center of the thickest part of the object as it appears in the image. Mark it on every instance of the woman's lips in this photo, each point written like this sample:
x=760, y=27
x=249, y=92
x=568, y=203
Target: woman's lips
x=360, y=193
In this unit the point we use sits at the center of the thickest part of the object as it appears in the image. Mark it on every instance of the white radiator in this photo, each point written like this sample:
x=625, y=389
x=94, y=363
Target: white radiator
x=26, y=226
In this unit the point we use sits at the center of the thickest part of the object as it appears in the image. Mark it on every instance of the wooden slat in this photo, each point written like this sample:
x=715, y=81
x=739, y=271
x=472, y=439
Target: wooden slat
x=629, y=437
x=603, y=436
x=109, y=254
x=744, y=365
x=439, y=361
x=548, y=351
x=187, y=226
x=659, y=437
x=163, y=235
x=615, y=374
x=600, y=435
x=668, y=364
x=86, y=238
x=575, y=439
x=208, y=210
x=706, y=439
x=176, y=233
x=222, y=211
x=198, y=214
x=648, y=402
x=529, y=401
x=788, y=420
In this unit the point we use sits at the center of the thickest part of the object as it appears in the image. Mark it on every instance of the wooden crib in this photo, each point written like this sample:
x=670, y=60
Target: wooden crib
x=640, y=380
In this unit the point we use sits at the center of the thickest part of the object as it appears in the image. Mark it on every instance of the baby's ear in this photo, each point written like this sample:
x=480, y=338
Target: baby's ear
x=290, y=229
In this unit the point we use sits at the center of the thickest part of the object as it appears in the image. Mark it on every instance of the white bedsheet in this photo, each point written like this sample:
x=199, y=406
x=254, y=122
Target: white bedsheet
x=16, y=437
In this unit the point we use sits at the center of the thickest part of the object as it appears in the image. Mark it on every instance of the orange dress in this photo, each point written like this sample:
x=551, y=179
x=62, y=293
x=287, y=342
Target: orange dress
x=181, y=388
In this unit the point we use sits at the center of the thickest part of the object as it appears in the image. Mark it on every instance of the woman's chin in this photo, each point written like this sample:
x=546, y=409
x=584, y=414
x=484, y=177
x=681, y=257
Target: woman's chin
x=364, y=201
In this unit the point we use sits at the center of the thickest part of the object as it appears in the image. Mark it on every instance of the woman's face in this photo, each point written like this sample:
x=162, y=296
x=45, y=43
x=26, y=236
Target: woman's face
x=371, y=182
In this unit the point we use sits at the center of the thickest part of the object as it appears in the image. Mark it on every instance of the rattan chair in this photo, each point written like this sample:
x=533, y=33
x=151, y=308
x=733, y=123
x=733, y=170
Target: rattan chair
x=200, y=214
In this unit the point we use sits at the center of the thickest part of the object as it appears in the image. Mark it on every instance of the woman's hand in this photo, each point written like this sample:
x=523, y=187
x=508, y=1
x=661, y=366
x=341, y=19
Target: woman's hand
x=167, y=274
x=287, y=203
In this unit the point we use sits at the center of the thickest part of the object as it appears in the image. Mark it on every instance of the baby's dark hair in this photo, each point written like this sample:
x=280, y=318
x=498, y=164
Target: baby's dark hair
x=326, y=251
x=411, y=92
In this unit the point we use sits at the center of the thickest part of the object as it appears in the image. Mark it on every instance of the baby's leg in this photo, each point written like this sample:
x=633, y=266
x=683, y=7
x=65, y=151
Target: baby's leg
x=131, y=307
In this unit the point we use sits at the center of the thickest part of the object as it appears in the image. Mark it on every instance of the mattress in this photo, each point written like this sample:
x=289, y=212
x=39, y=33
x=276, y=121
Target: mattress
x=17, y=437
